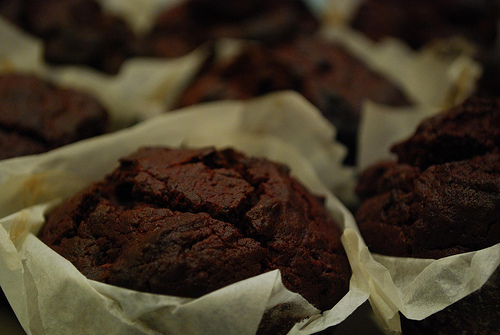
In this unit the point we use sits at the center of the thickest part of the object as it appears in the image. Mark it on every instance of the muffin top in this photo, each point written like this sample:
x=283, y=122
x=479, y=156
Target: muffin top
x=186, y=222
x=442, y=197
x=467, y=130
x=37, y=116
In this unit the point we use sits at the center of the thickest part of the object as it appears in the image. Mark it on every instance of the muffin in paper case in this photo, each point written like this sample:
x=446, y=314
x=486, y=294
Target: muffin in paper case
x=50, y=296
x=447, y=30
x=416, y=287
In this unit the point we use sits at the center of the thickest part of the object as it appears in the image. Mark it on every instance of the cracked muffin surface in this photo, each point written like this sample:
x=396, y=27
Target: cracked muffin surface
x=189, y=221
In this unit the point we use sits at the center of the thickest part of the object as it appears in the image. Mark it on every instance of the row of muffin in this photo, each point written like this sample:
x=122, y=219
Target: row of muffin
x=488, y=136
x=168, y=220
x=253, y=57
x=81, y=32
x=291, y=56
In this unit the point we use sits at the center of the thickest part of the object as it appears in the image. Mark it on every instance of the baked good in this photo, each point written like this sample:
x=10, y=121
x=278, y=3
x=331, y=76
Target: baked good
x=76, y=32
x=37, y=116
x=473, y=127
x=323, y=72
x=441, y=198
x=467, y=26
x=431, y=215
x=186, y=222
x=419, y=22
x=181, y=28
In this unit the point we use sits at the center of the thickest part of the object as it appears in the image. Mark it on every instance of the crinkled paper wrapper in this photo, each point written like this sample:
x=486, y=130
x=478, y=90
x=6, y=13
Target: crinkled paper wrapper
x=145, y=88
x=49, y=296
x=416, y=287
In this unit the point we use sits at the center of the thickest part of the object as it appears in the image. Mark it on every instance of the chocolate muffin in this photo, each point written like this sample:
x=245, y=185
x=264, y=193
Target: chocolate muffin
x=472, y=24
x=186, y=222
x=419, y=22
x=323, y=72
x=76, y=32
x=441, y=198
x=180, y=29
x=37, y=116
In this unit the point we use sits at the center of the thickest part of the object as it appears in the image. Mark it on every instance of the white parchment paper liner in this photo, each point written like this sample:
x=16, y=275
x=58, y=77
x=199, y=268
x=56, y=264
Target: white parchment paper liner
x=419, y=287
x=50, y=296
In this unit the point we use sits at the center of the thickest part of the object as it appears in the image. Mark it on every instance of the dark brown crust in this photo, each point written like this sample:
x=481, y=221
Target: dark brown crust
x=383, y=177
x=431, y=216
x=184, y=27
x=37, y=116
x=468, y=130
x=443, y=195
x=187, y=222
x=419, y=22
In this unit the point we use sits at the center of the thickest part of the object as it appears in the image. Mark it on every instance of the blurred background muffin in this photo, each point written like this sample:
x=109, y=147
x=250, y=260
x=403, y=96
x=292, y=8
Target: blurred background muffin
x=81, y=32
x=37, y=116
x=451, y=26
x=74, y=32
x=182, y=28
x=324, y=72
x=420, y=22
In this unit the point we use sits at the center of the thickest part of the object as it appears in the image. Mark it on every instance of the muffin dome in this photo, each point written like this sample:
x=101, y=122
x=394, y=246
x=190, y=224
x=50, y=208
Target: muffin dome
x=186, y=222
